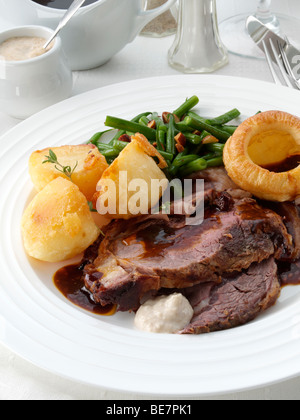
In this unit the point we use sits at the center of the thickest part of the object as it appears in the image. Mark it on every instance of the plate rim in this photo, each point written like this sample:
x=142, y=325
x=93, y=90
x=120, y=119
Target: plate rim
x=73, y=101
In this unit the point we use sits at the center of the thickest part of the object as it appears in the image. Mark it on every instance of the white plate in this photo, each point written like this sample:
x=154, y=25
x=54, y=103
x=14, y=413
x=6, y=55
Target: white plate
x=39, y=324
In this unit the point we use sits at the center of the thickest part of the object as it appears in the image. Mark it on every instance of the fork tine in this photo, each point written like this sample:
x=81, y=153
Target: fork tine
x=281, y=66
x=271, y=66
x=287, y=65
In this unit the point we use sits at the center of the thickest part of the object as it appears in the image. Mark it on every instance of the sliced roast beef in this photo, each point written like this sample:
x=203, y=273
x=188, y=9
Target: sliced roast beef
x=142, y=255
x=217, y=180
x=238, y=299
x=290, y=214
x=289, y=273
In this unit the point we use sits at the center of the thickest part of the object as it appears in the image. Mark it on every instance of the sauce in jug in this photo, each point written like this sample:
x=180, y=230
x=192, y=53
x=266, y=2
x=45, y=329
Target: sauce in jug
x=23, y=48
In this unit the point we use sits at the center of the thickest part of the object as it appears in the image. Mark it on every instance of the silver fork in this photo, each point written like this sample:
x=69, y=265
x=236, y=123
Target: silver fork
x=270, y=49
x=288, y=67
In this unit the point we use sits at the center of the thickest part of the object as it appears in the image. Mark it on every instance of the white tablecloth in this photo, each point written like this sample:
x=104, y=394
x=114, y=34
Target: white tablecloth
x=19, y=380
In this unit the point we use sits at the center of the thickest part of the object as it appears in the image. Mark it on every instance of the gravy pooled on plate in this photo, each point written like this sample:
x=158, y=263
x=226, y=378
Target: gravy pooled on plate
x=22, y=48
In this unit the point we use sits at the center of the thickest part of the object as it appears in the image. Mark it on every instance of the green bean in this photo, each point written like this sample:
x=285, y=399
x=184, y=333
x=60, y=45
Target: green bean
x=174, y=166
x=182, y=127
x=188, y=131
x=197, y=124
x=119, y=145
x=225, y=118
x=110, y=160
x=210, y=156
x=230, y=129
x=183, y=160
x=217, y=161
x=153, y=116
x=135, y=119
x=166, y=171
x=160, y=125
x=144, y=120
x=163, y=128
x=131, y=126
x=195, y=115
x=96, y=137
x=170, y=142
x=111, y=150
x=167, y=156
x=138, y=117
x=215, y=147
x=186, y=162
x=180, y=155
x=104, y=146
x=196, y=139
x=173, y=170
x=161, y=138
x=186, y=106
x=197, y=149
x=195, y=166
x=109, y=153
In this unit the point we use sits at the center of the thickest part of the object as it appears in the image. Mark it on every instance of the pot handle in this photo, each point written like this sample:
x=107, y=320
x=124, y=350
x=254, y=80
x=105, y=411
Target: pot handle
x=146, y=16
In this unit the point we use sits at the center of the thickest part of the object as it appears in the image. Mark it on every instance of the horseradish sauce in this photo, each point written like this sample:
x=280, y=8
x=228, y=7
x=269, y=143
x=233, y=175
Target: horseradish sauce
x=22, y=48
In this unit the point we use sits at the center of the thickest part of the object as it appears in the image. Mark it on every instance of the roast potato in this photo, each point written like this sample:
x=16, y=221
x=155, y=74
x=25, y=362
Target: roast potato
x=58, y=225
x=133, y=183
x=87, y=159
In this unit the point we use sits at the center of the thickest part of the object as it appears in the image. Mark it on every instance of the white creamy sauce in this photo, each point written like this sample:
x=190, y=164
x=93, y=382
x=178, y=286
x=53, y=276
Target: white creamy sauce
x=22, y=48
x=164, y=314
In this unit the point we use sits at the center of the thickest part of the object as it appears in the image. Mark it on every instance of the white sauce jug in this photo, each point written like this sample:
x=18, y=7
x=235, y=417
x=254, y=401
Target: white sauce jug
x=95, y=34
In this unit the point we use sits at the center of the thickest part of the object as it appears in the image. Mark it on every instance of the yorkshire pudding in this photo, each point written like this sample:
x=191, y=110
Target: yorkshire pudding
x=263, y=156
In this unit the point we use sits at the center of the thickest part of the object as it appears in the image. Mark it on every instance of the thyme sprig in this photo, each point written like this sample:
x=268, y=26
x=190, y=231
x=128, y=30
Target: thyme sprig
x=66, y=170
x=90, y=204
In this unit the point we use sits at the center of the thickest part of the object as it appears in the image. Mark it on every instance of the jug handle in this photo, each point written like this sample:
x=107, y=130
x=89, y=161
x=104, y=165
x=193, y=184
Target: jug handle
x=146, y=16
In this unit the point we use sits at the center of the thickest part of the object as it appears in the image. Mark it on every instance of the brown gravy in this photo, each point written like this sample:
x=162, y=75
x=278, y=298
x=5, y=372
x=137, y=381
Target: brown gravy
x=291, y=162
x=146, y=243
x=250, y=212
x=68, y=280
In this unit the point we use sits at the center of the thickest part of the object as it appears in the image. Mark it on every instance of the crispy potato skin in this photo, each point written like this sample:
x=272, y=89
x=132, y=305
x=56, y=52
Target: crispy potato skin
x=58, y=225
x=90, y=167
x=252, y=177
x=138, y=165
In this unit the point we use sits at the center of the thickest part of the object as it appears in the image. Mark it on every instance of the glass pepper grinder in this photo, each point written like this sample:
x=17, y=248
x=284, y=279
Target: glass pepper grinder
x=197, y=47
